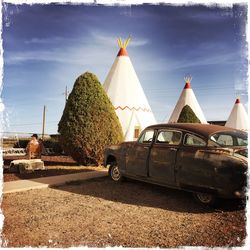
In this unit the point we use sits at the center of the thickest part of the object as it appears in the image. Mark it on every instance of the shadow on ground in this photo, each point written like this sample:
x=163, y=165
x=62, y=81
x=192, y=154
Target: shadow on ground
x=143, y=194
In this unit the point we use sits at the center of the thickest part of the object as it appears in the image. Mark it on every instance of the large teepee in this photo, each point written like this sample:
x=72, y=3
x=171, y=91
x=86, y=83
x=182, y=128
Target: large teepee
x=238, y=117
x=187, y=98
x=125, y=92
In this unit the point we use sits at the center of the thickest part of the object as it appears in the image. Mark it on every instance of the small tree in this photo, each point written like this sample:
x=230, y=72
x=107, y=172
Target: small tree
x=89, y=122
x=187, y=115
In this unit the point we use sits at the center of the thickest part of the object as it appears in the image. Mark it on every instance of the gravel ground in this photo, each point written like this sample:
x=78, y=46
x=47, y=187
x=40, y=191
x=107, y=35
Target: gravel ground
x=101, y=213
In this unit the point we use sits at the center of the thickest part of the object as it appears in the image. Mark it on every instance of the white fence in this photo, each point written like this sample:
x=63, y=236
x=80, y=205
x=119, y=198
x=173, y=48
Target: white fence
x=14, y=152
x=22, y=151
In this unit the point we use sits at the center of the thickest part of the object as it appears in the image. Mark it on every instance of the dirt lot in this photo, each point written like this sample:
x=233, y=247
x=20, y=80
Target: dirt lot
x=100, y=213
x=48, y=160
x=56, y=165
x=50, y=171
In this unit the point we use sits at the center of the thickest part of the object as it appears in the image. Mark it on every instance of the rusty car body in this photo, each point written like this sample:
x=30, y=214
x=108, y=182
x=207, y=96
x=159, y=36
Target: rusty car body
x=208, y=160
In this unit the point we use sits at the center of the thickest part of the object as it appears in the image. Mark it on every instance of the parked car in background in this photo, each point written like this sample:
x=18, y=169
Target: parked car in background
x=208, y=160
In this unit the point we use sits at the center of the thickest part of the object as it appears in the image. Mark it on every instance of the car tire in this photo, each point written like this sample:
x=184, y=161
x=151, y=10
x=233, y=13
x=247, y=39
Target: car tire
x=115, y=173
x=206, y=199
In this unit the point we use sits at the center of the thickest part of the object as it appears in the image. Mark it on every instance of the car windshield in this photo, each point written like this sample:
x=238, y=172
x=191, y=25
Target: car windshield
x=230, y=138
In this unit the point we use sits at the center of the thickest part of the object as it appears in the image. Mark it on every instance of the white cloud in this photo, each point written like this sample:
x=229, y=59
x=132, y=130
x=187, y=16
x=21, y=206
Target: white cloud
x=112, y=39
x=83, y=55
x=48, y=40
x=209, y=60
x=1, y=107
x=97, y=38
x=170, y=64
x=103, y=39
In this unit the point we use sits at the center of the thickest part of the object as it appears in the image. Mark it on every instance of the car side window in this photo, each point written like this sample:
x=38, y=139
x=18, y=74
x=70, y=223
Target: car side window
x=241, y=142
x=146, y=137
x=230, y=138
x=169, y=137
x=226, y=140
x=192, y=140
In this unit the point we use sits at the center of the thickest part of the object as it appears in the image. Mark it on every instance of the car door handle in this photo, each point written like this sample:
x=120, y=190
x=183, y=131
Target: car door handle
x=173, y=149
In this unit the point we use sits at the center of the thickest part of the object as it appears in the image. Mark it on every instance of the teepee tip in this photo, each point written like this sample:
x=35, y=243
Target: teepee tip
x=188, y=80
x=187, y=85
x=237, y=100
x=123, y=45
x=122, y=52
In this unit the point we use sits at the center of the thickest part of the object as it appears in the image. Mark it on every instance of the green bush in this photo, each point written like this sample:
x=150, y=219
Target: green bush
x=187, y=115
x=89, y=122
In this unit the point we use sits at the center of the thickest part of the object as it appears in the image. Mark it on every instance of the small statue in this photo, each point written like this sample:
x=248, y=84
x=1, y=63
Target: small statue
x=34, y=148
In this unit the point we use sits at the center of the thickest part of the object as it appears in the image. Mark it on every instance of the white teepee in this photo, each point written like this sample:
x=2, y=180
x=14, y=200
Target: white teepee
x=127, y=96
x=238, y=117
x=187, y=98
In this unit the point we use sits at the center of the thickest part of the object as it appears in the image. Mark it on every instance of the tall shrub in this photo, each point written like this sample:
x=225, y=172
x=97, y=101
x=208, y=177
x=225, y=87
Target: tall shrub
x=187, y=115
x=89, y=122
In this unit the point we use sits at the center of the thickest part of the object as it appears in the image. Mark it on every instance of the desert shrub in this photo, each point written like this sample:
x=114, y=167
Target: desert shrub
x=89, y=122
x=21, y=143
x=55, y=144
x=48, y=143
x=187, y=115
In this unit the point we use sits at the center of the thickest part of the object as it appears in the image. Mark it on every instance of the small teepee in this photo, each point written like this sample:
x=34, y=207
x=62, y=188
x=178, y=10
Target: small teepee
x=125, y=92
x=187, y=98
x=238, y=117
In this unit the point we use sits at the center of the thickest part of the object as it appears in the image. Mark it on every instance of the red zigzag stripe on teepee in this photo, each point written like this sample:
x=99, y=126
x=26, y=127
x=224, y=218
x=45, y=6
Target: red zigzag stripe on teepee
x=133, y=108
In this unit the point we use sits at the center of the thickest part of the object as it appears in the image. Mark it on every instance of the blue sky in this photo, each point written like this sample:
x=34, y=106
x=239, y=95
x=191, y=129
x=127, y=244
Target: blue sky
x=47, y=46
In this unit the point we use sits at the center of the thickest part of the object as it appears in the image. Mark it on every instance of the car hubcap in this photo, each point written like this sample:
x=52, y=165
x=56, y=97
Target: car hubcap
x=205, y=198
x=115, y=173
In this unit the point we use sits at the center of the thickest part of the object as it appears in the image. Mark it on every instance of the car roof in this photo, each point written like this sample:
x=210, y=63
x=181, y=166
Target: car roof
x=202, y=129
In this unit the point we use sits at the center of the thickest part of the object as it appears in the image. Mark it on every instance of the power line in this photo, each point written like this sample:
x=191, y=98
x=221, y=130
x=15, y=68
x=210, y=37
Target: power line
x=167, y=89
x=44, y=116
x=65, y=93
x=23, y=133
x=27, y=124
x=153, y=91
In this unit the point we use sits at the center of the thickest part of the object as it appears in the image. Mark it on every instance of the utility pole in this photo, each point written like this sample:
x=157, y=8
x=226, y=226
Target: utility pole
x=44, y=115
x=66, y=94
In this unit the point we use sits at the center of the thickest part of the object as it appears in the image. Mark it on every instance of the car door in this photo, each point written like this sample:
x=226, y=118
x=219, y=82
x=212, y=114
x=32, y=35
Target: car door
x=193, y=172
x=137, y=156
x=163, y=156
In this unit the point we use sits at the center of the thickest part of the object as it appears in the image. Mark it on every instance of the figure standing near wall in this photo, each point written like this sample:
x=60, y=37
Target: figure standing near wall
x=34, y=148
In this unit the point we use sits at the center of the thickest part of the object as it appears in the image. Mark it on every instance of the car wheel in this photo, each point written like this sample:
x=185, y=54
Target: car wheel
x=115, y=173
x=206, y=199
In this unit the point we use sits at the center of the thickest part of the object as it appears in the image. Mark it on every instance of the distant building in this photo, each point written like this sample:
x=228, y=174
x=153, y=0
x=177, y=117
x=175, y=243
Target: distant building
x=238, y=117
x=221, y=123
x=187, y=97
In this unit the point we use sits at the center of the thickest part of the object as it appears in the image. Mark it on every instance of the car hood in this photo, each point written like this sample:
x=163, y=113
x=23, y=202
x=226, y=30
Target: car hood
x=240, y=153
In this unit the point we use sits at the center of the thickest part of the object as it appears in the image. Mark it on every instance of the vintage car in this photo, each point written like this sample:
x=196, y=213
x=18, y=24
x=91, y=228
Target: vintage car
x=208, y=160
